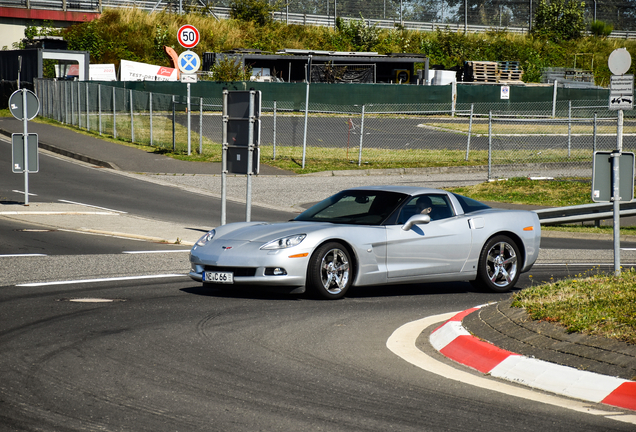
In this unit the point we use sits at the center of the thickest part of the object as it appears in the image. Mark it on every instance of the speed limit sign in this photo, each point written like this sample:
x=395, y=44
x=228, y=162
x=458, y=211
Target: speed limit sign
x=188, y=36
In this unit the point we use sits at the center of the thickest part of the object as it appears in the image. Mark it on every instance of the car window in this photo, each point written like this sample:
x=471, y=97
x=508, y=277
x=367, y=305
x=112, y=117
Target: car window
x=354, y=207
x=436, y=206
x=470, y=205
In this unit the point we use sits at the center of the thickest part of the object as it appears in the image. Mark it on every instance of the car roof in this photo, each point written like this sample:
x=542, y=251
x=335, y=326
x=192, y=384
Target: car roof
x=408, y=190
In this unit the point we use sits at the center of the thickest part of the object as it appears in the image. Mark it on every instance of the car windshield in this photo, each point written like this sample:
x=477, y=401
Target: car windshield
x=470, y=205
x=358, y=207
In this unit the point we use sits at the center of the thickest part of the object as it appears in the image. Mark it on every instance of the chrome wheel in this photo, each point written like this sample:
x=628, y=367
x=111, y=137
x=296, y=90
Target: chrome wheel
x=501, y=264
x=498, y=268
x=330, y=271
x=334, y=271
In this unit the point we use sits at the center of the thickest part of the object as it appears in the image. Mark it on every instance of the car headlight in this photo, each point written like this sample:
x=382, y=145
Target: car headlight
x=206, y=238
x=285, y=242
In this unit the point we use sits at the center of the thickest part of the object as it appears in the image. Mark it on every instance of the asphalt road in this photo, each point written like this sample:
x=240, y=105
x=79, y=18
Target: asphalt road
x=167, y=355
x=164, y=354
x=58, y=179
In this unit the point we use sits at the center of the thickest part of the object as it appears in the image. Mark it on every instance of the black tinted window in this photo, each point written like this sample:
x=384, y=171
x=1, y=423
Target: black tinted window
x=354, y=207
x=470, y=205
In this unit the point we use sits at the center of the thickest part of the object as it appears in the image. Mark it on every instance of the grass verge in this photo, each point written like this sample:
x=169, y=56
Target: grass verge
x=593, y=304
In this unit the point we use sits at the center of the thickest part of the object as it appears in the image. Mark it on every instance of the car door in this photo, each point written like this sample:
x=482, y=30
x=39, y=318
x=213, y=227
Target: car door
x=439, y=247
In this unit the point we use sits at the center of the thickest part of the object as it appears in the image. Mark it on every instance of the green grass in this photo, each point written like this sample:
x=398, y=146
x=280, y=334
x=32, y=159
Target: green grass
x=549, y=193
x=594, y=304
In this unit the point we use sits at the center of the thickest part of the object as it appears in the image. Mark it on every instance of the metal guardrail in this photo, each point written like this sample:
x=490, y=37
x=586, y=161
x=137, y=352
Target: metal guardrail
x=289, y=18
x=583, y=213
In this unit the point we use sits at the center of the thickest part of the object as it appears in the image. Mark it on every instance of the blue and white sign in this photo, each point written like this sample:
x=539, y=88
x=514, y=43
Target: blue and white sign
x=189, y=62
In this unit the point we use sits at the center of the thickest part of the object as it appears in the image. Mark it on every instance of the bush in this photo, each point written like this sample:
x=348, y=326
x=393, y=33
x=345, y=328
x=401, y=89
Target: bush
x=601, y=29
x=257, y=11
x=559, y=20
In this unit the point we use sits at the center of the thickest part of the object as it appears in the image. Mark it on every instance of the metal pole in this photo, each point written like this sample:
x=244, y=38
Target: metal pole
x=306, y=110
x=489, y=145
x=150, y=115
x=274, y=154
x=114, y=115
x=200, y=125
x=361, y=137
x=250, y=155
x=616, y=193
x=79, y=105
x=88, y=113
x=470, y=130
x=224, y=161
x=594, y=135
x=569, y=128
x=132, y=120
x=25, y=147
x=99, y=106
x=554, y=99
x=189, y=120
x=174, y=138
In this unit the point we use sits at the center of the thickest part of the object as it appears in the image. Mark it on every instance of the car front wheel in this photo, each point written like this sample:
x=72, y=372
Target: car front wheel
x=329, y=273
x=498, y=265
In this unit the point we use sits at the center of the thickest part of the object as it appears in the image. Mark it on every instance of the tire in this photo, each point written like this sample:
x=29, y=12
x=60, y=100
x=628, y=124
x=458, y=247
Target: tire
x=498, y=267
x=329, y=274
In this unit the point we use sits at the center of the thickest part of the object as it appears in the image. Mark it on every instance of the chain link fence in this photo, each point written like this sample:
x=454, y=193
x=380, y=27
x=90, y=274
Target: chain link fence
x=501, y=139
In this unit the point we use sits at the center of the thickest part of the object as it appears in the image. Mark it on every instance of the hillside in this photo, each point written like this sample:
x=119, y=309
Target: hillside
x=135, y=35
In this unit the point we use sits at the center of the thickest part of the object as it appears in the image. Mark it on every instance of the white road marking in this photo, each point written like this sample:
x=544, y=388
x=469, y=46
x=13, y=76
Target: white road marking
x=22, y=192
x=113, y=279
x=22, y=255
x=93, y=206
x=402, y=343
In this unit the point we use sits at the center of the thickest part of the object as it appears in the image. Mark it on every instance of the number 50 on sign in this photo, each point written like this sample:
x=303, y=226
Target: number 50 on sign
x=188, y=36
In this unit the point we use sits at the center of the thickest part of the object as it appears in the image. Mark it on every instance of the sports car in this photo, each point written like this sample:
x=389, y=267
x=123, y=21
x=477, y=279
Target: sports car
x=377, y=235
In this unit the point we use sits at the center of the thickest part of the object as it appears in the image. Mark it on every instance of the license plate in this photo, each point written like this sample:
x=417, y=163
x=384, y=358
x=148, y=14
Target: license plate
x=218, y=277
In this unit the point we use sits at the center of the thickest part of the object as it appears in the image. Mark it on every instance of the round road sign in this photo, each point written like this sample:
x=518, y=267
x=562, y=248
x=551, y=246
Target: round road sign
x=188, y=36
x=16, y=104
x=619, y=61
x=189, y=62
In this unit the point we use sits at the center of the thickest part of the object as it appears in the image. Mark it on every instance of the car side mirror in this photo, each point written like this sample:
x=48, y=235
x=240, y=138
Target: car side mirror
x=416, y=219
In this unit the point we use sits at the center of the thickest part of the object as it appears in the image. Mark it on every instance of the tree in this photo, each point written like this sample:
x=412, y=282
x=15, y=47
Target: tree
x=559, y=20
x=257, y=11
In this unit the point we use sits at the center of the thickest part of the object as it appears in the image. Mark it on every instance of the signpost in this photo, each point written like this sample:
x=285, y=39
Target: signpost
x=241, y=138
x=188, y=63
x=621, y=97
x=24, y=105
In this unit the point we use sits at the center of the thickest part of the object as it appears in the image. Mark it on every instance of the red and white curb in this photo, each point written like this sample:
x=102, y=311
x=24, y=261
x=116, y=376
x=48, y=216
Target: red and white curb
x=455, y=342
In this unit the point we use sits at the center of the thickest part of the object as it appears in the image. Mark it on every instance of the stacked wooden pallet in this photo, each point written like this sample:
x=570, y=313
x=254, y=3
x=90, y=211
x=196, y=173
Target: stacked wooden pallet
x=484, y=71
x=509, y=72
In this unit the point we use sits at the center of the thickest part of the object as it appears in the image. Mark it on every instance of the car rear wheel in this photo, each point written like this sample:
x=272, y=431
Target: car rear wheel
x=498, y=265
x=329, y=272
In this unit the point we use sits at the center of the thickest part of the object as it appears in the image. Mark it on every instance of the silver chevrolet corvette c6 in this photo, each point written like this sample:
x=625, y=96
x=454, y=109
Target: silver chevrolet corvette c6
x=377, y=235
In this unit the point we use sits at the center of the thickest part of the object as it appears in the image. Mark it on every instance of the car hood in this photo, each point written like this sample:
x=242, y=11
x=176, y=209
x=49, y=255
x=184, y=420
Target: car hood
x=264, y=232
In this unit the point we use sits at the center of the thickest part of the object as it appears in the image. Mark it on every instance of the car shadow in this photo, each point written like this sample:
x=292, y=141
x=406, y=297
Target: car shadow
x=417, y=289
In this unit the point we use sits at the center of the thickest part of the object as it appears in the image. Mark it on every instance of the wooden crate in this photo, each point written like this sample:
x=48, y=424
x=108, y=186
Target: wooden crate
x=484, y=71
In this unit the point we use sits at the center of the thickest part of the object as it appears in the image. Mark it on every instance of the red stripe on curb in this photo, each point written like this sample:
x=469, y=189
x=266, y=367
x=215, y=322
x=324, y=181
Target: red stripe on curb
x=459, y=317
x=624, y=396
x=472, y=352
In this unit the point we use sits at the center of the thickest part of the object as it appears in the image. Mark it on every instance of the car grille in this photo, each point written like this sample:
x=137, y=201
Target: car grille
x=238, y=271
